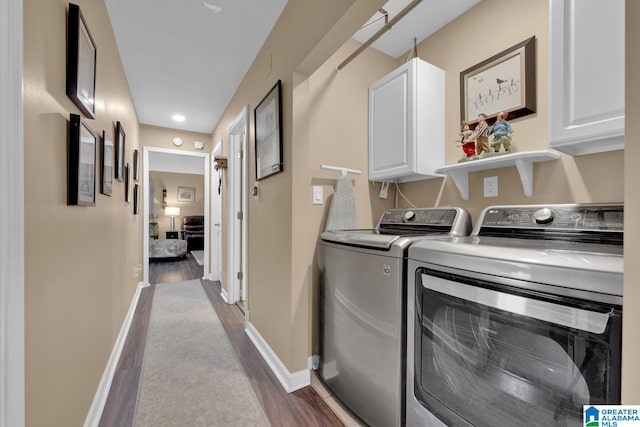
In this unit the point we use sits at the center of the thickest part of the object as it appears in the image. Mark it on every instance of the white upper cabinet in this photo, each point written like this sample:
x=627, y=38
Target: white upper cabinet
x=586, y=76
x=406, y=123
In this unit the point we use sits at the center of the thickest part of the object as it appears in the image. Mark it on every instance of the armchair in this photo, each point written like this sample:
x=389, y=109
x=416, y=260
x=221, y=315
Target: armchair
x=192, y=230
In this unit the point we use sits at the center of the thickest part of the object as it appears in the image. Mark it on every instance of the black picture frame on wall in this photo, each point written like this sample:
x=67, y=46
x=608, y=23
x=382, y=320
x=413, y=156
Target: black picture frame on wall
x=81, y=163
x=136, y=165
x=136, y=199
x=81, y=63
x=127, y=182
x=268, y=133
x=120, y=150
x=504, y=82
x=106, y=169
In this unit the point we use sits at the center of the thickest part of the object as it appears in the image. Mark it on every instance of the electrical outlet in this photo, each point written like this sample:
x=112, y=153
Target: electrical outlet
x=491, y=186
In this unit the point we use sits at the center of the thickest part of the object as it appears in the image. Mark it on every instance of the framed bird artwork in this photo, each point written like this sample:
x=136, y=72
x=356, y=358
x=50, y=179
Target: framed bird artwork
x=505, y=82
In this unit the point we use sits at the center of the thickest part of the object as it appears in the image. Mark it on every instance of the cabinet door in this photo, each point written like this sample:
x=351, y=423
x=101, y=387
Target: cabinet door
x=587, y=75
x=391, y=130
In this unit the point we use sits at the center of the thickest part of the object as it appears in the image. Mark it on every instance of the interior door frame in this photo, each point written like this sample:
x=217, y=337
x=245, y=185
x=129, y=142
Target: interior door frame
x=145, y=205
x=216, y=213
x=12, y=243
x=238, y=136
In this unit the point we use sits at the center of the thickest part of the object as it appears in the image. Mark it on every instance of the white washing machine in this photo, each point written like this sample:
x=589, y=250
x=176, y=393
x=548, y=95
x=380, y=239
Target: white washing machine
x=519, y=323
x=362, y=281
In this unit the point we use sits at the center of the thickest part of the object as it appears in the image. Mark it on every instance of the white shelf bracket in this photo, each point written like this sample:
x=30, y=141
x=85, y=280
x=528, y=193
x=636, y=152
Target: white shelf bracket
x=461, y=179
x=525, y=169
x=523, y=161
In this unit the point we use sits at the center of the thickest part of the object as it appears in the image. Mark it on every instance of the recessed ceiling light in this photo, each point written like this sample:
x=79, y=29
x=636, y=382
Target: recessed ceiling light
x=212, y=6
x=178, y=117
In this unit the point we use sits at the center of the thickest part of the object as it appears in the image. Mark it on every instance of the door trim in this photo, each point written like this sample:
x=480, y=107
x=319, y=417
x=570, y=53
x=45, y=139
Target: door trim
x=12, y=243
x=145, y=205
x=216, y=214
x=238, y=135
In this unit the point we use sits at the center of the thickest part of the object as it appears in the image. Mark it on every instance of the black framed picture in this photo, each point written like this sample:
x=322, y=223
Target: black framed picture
x=127, y=182
x=120, y=150
x=106, y=169
x=505, y=82
x=268, y=133
x=81, y=63
x=136, y=165
x=81, y=174
x=136, y=199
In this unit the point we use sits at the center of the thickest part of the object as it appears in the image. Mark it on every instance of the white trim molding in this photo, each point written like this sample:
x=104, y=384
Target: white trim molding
x=291, y=381
x=237, y=201
x=146, y=197
x=100, y=398
x=12, y=274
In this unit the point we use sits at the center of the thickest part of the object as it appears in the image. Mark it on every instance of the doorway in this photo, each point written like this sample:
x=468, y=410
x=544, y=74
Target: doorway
x=237, y=174
x=177, y=162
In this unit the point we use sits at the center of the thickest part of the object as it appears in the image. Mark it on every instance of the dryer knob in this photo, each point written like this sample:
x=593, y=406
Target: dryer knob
x=409, y=216
x=543, y=216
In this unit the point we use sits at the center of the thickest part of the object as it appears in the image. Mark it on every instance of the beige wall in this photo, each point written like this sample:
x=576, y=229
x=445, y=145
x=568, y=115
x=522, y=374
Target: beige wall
x=171, y=181
x=631, y=317
x=81, y=262
x=332, y=130
x=161, y=137
x=306, y=34
x=467, y=41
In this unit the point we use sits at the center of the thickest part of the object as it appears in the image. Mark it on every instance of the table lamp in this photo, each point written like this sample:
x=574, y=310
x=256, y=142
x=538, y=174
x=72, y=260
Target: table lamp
x=172, y=212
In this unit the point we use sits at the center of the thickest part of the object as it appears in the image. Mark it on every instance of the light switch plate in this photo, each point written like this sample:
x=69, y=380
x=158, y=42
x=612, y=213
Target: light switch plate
x=318, y=198
x=491, y=186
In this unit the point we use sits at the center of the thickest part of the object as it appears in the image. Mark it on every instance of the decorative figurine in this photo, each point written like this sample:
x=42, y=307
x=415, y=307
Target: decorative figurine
x=466, y=140
x=480, y=134
x=501, y=131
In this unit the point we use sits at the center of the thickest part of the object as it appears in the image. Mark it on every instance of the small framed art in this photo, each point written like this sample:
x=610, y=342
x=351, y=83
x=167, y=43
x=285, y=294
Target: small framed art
x=81, y=174
x=120, y=150
x=106, y=169
x=136, y=199
x=186, y=194
x=127, y=182
x=136, y=165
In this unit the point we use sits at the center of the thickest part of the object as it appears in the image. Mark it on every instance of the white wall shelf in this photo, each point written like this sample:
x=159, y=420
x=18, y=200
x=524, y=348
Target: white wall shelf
x=524, y=161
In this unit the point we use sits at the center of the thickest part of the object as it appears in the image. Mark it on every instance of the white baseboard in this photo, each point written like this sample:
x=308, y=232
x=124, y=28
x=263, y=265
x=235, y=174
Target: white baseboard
x=290, y=381
x=100, y=398
x=223, y=295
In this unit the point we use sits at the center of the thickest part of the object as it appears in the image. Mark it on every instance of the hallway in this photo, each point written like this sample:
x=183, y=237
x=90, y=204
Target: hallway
x=303, y=407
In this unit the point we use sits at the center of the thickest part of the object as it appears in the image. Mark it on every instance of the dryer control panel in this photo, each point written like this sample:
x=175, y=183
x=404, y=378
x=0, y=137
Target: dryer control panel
x=593, y=218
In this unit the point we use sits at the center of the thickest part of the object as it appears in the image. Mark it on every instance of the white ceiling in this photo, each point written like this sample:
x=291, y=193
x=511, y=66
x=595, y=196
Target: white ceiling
x=186, y=57
x=180, y=56
x=425, y=19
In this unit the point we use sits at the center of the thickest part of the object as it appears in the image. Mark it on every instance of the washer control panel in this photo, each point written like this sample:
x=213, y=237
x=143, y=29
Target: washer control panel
x=435, y=216
x=561, y=217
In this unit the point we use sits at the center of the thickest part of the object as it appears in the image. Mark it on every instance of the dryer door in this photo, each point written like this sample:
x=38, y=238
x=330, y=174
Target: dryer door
x=488, y=354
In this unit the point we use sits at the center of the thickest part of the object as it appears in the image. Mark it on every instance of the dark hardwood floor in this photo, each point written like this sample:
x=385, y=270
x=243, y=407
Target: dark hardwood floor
x=175, y=270
x=304, y=407
x=121, y=402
